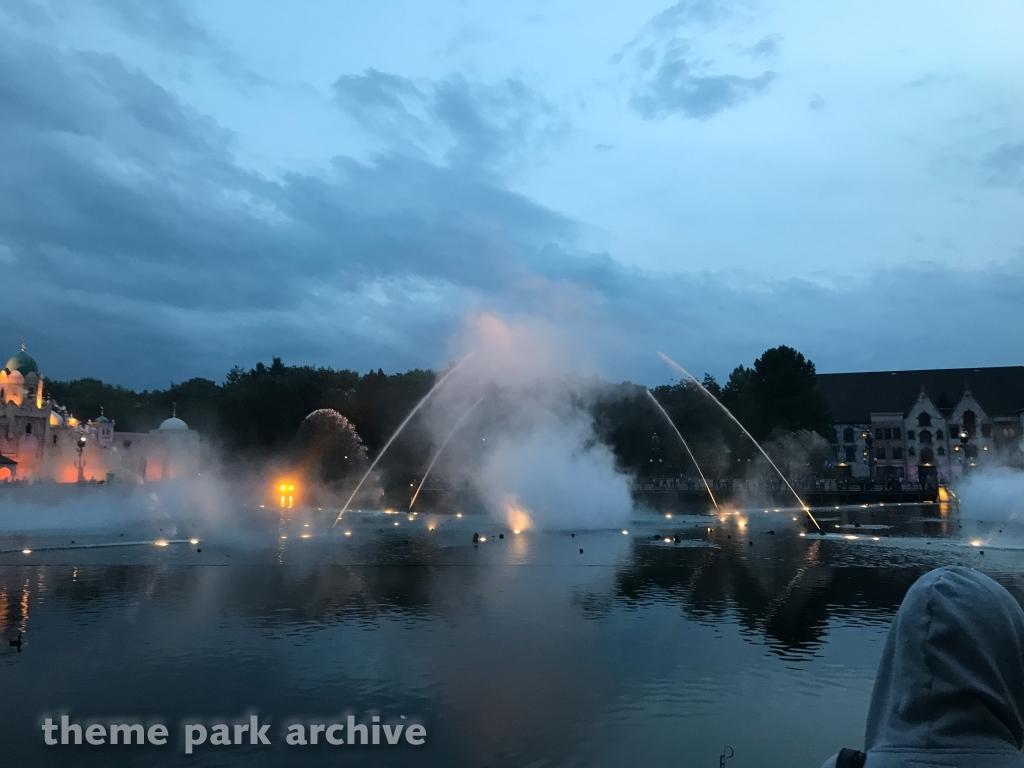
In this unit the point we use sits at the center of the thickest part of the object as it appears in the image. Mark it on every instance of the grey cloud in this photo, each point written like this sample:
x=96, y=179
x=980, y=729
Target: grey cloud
x=707, y=13
x=1006, y=165
x=926, y=80
x=764, y=48
x=489, y=124
x=676, y=89
x=817, y=102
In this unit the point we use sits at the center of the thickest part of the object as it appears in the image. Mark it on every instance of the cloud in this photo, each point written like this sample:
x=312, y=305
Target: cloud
x=1006, y=165
x=707, y=13
x=816, y=102
x=676, y=88
x=478, y=125
x=766, y=47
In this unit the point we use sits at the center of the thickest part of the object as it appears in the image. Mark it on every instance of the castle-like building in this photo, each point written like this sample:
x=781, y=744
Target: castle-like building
x=40, y=440
x=927, y=426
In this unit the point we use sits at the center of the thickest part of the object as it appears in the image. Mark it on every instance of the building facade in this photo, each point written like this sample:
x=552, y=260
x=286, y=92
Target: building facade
x=928, y=426
x=41, y=441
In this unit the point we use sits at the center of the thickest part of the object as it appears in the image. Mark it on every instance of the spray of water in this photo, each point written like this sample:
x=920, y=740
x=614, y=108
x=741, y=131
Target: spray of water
x=398, y=431
x=437, y=455
x=728, y=413
x=683, y=441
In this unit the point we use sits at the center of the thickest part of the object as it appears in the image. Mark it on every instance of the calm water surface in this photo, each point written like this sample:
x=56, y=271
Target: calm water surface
x=519, y=651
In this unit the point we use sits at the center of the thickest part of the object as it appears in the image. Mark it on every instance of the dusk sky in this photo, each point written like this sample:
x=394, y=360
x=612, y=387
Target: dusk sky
x=189, y=186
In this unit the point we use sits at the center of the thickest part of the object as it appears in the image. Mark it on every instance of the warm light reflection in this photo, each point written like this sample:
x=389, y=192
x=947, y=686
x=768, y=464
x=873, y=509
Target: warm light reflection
x=516, y=515
x=975, y=542
x=193, y=541
x=26, y=551
x=626, y=533
x=850, y=537
x=458, y=514
x=306, y=535
x=348, y=533
x=803, y=534
x=160, y=542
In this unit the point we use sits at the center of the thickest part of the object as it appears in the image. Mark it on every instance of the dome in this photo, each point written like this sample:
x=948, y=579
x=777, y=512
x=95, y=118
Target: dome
x=23, y=363
x=173, y=424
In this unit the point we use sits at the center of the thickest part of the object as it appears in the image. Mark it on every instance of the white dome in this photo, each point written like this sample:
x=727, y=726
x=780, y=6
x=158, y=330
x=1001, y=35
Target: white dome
x=173, y=424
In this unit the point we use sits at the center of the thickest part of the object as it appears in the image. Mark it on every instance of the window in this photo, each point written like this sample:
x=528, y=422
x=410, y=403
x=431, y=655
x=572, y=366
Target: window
x=896, y=433
x=986, y=430
x=1008, y=433
x=888, y=433
x=924, y=419
x=938, y=435
x=941, y=451
x=848, y=435
x=926, y=437
x=911, y=452
x=910, y=435
x=927, y=456
x=897, y=453
x=28, y=428
x=879, y=434
x=880, y=453
x=850, y=450
x=54, y=439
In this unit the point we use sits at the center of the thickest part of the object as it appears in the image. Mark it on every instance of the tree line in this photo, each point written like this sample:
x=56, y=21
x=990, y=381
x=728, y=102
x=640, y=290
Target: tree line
x=257, y=413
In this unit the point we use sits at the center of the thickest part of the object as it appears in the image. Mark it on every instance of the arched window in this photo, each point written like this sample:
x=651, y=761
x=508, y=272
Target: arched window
x=28, y=428
x=938, y=435
x=926, y=437
x=848, y=435
x=927, y=456
x=910, y=435
x=924, y=419
x=911, y=451
x=941, y=451
x=970, y=422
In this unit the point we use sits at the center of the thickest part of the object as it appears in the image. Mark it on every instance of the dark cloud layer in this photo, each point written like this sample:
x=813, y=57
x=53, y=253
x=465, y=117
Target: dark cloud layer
x=136, y=247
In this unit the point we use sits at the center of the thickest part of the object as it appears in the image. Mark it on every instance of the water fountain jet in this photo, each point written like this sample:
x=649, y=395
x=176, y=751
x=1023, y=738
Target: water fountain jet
x=437, y=455
x=397, y=432
x=685, y=445
x=738, y=423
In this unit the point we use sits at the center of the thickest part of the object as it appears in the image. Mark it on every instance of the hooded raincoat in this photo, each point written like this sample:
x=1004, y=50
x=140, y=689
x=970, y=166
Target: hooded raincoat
x=950, y=684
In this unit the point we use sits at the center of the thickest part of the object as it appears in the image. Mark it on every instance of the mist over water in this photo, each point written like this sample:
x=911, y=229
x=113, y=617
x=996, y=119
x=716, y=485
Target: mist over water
x=529, y=450
x=992, y=494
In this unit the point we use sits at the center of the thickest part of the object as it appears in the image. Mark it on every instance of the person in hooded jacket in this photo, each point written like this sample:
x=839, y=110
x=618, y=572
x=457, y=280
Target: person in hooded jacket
x=950, y=684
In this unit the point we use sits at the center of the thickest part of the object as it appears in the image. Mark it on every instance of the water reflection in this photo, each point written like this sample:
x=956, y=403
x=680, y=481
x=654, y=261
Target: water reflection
x=516, y=651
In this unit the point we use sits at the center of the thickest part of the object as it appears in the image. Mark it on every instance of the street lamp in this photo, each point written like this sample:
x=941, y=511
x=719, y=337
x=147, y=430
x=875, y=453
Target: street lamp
x=81, y=462
x=869, y=441
x=964, y=437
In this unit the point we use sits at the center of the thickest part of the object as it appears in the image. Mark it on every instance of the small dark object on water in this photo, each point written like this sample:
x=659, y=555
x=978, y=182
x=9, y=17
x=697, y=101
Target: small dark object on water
x=199, y=550
x=728, y=536
x=73, y=541
x=581, y=552
x=501, y=535
x=751, y=543
x=856, y=524
x=120, y=534
x=476, y=538
x=656, y=536
x=981, y=551
x=574, y=535
x=771, y=533
x=16, y=643
x=676, y=538
x=1000, y=530
x=821, y=532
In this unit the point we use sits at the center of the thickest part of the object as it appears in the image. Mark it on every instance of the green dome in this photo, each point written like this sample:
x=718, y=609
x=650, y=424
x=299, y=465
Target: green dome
x=23, y=363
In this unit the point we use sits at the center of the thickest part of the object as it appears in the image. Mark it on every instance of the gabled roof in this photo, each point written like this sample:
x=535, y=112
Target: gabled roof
x=853, y=397
x=6, y=462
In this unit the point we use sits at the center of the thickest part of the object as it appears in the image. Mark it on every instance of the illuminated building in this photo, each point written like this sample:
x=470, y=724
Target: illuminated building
x=40, y=440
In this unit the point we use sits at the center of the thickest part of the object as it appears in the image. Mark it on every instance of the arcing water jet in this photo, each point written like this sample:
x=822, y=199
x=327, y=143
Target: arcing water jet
x=728, y=413
x=398, y=431
x=683, y=441
x=437, y=455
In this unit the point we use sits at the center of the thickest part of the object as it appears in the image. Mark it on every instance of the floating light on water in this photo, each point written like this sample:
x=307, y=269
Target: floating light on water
x=458, y=514
x=803, y=534
x=160, y=542
x=193, y=541
x=306, y=535
x=26, y=551
x=850, y=537
x=975, y=542
x=668, y=514
x=284, y=537
x=875, y=538
x=430, y=527
x=396, y=522
x=483, y=538
x=348, y=533
x=667, y=539
x=517, y=532
x=626, y=533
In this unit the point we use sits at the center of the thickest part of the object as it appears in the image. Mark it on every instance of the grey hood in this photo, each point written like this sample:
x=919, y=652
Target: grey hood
x=950, y=684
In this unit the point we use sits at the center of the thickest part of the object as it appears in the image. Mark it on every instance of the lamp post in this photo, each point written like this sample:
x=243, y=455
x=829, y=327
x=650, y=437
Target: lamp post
x=964, y=437
x=869, y=442
x=81, y=462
